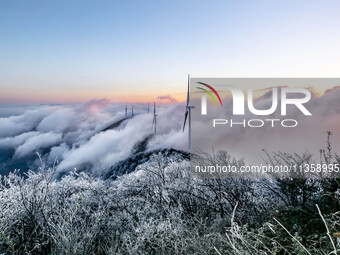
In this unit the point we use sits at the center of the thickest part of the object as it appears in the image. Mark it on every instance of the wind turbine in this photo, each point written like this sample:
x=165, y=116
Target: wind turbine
x=154, y=121
x=132, y=111
x=126, y=111
x=188, y=112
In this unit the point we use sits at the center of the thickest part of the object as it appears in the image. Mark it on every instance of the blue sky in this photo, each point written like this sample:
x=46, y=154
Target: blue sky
x=55, y=51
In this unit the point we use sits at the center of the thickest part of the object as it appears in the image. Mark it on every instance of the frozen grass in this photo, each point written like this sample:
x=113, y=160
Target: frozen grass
x=158, y=209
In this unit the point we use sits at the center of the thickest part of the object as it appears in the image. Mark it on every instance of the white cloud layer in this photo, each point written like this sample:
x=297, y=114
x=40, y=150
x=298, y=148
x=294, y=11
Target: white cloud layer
x=74, y=134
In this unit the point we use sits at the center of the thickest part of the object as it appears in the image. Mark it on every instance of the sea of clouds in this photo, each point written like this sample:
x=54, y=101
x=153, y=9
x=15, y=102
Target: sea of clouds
x=72, y=134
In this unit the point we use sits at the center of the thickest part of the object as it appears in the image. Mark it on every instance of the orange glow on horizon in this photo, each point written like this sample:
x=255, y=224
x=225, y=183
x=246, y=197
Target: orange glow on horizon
x=45, y=97
x=85, y=96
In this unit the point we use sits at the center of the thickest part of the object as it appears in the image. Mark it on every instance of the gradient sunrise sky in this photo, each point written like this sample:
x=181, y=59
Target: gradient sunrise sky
x=73, y=51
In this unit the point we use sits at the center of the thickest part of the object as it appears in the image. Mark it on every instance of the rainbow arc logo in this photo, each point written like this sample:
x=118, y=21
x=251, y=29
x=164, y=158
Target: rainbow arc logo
x=209, y=93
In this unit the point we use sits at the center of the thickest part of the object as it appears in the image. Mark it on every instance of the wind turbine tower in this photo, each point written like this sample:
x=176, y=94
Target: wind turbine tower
x=188, y=112
x=154, y=121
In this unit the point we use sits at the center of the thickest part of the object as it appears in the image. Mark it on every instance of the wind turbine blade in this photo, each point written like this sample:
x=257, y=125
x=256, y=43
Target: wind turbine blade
x=188, y=97
x=185, y=119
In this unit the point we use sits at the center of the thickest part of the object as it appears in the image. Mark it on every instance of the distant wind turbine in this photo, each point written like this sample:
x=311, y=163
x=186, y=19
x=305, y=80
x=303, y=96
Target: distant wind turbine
x=154, y=121
x=188, y=112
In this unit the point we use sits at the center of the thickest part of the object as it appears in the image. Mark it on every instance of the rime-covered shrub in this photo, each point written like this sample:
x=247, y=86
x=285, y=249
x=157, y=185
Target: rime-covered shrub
x=158, y=209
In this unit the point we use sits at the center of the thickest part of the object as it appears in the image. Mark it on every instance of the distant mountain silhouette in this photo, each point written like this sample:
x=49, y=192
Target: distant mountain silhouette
x=116, y=124
x=130, y=164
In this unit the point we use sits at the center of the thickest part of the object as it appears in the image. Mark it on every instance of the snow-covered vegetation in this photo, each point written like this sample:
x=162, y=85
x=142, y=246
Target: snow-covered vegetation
x=161, y=209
